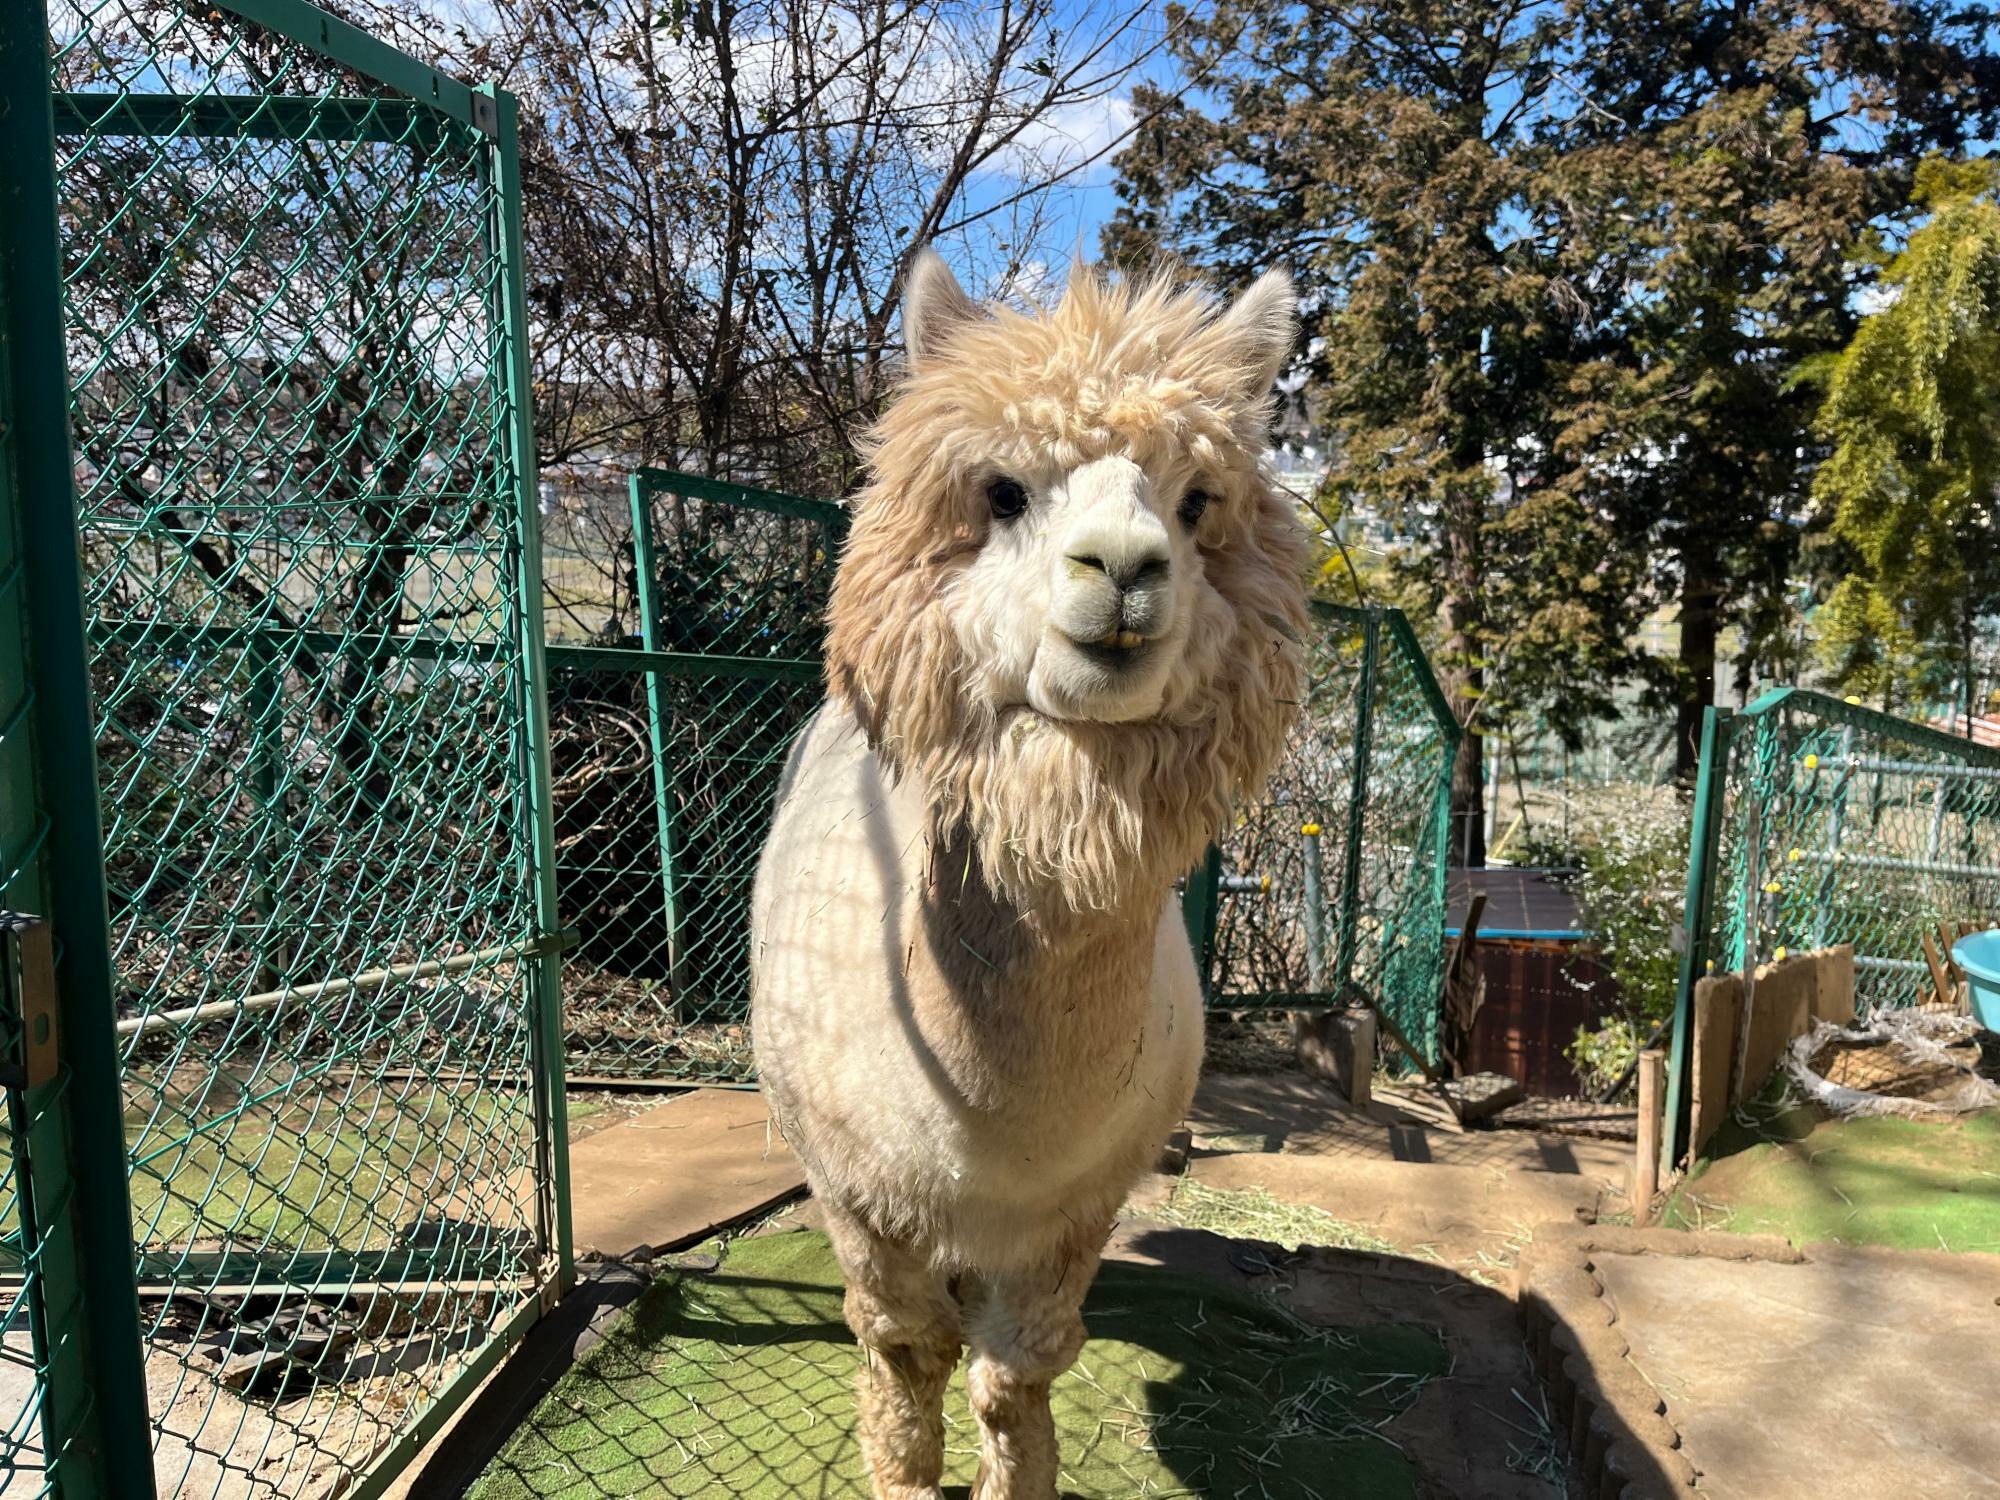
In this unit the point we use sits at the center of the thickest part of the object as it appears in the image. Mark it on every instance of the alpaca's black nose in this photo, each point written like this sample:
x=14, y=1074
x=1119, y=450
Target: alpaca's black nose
x=1133, y=570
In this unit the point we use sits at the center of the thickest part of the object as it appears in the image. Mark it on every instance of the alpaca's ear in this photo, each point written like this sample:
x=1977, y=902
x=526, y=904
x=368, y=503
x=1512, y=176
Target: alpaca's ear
x=1256, y=332
x=934, y=305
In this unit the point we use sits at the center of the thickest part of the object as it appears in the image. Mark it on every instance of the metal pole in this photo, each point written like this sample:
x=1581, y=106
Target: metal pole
x=1315, y=898
x=1348, y=938
x=335, y=989
x=102, y=1416
x=666, y=802
x=510, y=316
x=1703, y=841
x=1836, y=821
x=1198, y=911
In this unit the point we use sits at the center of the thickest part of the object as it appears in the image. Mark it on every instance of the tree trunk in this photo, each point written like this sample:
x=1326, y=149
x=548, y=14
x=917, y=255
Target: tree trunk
x=1464, y=679
x=1701, y=596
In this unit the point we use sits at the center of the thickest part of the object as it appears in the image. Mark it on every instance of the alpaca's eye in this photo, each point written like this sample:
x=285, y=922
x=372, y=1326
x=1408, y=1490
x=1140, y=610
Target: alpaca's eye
x=1193, y=503
x=1007, y=497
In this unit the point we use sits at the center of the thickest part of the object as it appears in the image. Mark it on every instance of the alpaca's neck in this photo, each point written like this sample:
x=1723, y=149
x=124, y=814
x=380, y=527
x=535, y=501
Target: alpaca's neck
x=1036, y=964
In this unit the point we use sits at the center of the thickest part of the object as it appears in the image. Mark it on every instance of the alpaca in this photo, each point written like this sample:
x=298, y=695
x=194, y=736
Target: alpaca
x=1063, y=641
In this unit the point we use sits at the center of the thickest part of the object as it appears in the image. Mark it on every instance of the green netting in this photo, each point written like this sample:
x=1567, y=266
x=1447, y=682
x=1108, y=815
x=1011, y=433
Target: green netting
x=1819, y=823
x=307, y=545
x=1332, y=886
x=1839, y=825
x=667, y=761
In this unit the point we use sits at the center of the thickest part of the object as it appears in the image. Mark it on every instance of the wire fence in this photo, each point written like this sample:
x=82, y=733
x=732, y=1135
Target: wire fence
x=1332, y=888
x=1819, y=823
x=291, y=334
x=289, y=780
x=667, y=755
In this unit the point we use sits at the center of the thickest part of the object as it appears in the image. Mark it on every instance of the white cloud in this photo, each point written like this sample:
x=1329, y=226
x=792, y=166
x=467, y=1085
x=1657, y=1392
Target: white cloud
x=1071, y=134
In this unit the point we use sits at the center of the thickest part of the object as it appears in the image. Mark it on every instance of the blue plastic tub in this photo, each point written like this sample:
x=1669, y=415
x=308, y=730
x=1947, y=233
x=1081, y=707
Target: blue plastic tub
x=1979, y=955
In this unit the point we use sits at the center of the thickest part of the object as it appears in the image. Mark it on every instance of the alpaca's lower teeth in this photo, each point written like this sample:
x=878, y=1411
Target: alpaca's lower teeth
x=1122, y=640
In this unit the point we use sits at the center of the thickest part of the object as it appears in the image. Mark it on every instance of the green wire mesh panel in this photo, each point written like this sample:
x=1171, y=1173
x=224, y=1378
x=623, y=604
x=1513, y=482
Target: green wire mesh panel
x=300, y=483
x=1841, y=825
x=666, y=767
x=26, y=1338
x=1332, y=886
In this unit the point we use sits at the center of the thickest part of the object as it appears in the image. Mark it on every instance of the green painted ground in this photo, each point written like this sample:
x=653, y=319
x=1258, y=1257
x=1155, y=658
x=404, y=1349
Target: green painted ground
x=1905, y=1184
x=740, y=1383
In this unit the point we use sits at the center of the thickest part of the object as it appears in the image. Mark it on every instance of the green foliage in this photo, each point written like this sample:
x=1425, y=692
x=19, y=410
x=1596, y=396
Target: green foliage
x=1630, y=851
x=1915, y=453
x=1601, y=1057
x=1631, y=886
x=1732, y=173
x=1560, y=262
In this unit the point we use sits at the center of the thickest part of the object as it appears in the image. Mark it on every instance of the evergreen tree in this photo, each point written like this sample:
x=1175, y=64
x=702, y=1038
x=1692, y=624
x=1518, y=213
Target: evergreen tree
x=1737, y=163
x=1912, y=484
x=1389, y=153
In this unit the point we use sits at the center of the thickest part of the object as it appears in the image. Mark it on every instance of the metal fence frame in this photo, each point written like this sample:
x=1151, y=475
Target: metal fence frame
x=1385, y=935
x=66, y=1215
x=1773, y=835
x=666, y=1026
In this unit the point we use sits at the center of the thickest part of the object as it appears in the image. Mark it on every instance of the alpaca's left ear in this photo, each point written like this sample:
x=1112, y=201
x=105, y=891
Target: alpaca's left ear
x=934, y=305
x=1255, y=333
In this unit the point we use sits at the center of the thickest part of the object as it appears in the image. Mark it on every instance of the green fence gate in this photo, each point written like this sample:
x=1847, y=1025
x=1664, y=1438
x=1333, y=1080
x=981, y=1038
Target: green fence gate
x=1332, y=887
x=293, y=1176
x=667, y=761
x=1817, y=823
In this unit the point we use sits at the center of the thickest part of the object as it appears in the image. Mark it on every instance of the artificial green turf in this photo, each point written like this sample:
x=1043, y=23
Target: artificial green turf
x=741, y=1383
x=1878, y=1180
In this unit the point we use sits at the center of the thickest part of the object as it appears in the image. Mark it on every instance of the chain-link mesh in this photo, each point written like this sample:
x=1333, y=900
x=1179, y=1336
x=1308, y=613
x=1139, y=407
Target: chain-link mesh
x=1333, y=885
x=303, y=554
x=1840, y=825
x=666, y=771
x=24, y=1331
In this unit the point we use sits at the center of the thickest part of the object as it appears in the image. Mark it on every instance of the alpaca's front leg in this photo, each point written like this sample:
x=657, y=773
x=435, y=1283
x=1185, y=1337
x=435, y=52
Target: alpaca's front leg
x=906, y=1321
x=1025, y=1329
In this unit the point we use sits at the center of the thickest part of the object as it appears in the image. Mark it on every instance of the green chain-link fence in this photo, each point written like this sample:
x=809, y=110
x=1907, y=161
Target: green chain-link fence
x=1333, y=886
x=1817, y=823
x=666, y=769
x=288, y=317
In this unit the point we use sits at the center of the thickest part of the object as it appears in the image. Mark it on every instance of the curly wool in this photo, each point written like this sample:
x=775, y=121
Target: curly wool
x=1089, y=813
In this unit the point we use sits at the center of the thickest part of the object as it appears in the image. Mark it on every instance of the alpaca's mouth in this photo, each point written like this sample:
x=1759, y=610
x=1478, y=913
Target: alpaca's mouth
x=1115, y=649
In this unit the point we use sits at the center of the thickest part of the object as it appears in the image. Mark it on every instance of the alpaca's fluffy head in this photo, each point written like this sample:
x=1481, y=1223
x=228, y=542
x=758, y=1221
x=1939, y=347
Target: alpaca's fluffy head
x=1072, y=598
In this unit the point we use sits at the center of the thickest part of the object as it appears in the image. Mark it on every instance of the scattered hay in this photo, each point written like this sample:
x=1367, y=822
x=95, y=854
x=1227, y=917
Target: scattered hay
x=1253, y=1214
x=1255, y=1041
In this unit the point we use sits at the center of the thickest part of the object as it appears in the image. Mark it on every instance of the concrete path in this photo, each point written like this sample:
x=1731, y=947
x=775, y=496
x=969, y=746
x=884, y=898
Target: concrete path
x=1292, y=1114
x=678, y=1172
x=1851, y=1375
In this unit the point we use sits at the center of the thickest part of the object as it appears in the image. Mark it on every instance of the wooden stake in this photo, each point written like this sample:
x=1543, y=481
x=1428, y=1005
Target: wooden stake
x=1646, y=1169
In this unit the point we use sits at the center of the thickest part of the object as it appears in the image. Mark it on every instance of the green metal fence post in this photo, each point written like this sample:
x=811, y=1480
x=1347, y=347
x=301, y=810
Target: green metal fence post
x=1315, y=903
x=1703, y=840
x=1199, y=894
x=645, y=562
x=105, y=1418
x=510, y=318
x=1357, y=803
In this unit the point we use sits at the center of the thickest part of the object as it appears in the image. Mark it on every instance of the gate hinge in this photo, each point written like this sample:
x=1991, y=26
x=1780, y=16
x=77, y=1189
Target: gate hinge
x=28, y=977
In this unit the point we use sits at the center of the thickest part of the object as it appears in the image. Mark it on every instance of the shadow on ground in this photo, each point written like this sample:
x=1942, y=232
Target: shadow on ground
x=738, y=1382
